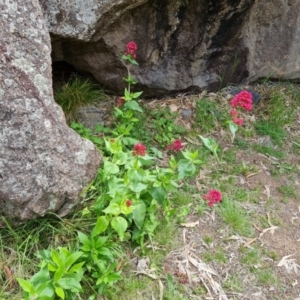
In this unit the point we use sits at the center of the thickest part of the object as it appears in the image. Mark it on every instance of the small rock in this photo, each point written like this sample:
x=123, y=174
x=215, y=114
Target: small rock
x=90, y=116
x=265, y=141
x=186, y=113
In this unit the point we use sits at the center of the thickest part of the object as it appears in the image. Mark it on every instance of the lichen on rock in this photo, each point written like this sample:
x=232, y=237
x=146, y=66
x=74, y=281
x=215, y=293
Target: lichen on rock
x=44, y=165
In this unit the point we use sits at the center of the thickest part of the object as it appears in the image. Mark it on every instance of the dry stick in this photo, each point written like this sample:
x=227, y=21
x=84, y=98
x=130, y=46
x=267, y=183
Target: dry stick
x=9, y=276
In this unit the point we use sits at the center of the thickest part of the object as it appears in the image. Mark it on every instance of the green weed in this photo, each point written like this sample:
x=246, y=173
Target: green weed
x=158, y=128
x=206, y=115
x=250, y=257
x=287, y=191
x=265, y=276
x=269, y=151
x=218, y=255
x=278, y=112
x=274, y=131
x=235, y=216
x=233, y=283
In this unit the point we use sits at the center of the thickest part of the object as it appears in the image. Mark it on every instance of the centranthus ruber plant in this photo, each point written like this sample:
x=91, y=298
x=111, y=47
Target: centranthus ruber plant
x=242, y=100
x=137, y=185
x=212, y=197
x=127, y=105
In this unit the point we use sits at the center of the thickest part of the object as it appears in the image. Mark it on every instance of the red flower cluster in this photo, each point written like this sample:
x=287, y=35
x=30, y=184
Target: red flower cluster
x=213, y=197
x=175, y=146
x=128, y=202
x=120, y=102
x=242, y=99
x=139, y=150
x=238, y=121
x=131, y=48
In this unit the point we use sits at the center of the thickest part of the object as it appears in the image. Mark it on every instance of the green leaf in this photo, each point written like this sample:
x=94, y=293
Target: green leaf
x=190, y=155
x=101, y=225
x=83, y=239
x=119, y=224
x=137, y=187
x=136, y=175
x=133, y=105
x=113, y=209
x=210, y=144
x=60, y=292
x=46, y=291
x=129, y=141
x=136, y=95
x=59, y=273
x=233, y=129
x=72, y=258
x=120, y=158
x=75, y=268
x=110, y=168
x=26, y=286
x=185, y=168
x=70, y=284
x=56, y=259
x=173, y=162
x=42, y=275
x=159, y=194
x=45, y=255
x=114, y=277
x=100, y=241
x=127, y=96
x=139, y=213
x=106, y=252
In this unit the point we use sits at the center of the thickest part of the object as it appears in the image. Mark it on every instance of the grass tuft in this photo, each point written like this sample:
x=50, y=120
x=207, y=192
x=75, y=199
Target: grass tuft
x=235, y=216
x=75, y=93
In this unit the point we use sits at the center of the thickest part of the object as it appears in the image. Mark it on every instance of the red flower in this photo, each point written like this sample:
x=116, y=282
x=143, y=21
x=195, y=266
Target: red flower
x=120, y=102
x=175, y=146
x=238, y=121
x=242, y=99
x=128, y=202
x=213, y=197
x=233, y=113
x=139, y=150
x=131, y=48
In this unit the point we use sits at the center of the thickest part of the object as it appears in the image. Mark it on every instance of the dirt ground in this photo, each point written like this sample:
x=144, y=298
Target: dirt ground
x=275, y=220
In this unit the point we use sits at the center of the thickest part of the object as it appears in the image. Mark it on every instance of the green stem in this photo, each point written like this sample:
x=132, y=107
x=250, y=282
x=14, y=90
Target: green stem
x=129, y=75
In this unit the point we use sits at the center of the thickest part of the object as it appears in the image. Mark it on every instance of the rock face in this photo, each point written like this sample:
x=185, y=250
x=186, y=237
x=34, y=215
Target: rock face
x=272, y=36
x=183, y=44
x=44, y=165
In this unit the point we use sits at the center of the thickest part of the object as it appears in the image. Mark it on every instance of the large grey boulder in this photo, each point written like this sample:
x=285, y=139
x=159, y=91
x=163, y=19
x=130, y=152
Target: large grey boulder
x=183, y=45
x=44, y=165
x=272, y=37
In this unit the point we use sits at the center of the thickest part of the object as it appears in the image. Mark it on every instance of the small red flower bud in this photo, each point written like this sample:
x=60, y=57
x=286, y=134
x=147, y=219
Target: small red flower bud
x=120, y=102
x=128, y=203
x=238, y=121
x=131, y=48
x=175, y=146
x=139, y=150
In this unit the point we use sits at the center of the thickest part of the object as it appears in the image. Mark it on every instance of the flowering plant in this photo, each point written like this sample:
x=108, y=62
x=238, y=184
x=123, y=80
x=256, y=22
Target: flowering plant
x=243, y=100
x=136, y=187
x=212, y=197
x=127, y=104
x=175, y=146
